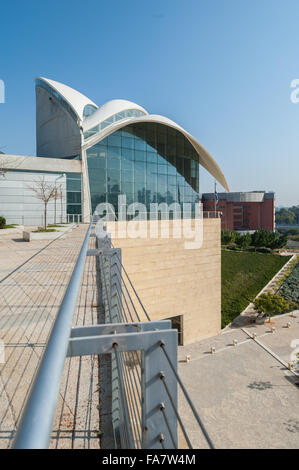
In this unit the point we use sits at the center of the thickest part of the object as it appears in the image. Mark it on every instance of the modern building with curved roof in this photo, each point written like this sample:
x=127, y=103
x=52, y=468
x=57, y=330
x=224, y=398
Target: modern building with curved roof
x=123, y=149
x=93, y=154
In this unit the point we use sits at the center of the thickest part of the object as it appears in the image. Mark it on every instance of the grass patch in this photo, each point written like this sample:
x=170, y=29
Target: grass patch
x=45, y=230
x=243, y=277
x=8, y=226
x=55, y=225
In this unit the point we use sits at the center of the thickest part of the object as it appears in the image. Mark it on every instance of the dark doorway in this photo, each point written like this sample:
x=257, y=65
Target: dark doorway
x=177, y=324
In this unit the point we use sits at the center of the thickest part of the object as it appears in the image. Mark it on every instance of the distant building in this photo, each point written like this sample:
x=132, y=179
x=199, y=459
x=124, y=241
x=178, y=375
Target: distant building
x=243, y=211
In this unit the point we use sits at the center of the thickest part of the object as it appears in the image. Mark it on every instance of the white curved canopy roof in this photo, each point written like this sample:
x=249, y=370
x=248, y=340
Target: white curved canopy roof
x=78, y=102
x=73, y=97
x=109, y=109
x=204, y=157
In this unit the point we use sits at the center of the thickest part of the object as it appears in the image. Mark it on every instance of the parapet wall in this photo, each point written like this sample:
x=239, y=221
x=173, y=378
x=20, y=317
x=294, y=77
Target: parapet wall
x=171, y=280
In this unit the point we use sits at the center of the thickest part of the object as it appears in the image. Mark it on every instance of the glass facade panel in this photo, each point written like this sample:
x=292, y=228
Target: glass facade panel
x=146, y=162
x=88, y=110
x=73, y=193
x=115, y=117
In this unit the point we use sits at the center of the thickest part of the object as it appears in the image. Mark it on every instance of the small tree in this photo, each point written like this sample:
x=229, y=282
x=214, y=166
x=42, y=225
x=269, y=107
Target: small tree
x=60, y=195
x=45, y=192
x=227, y=237
x=271, y=304
x=6, y=164
x=278, y=241
x=244, y=240
x=2, y=222
x=56, y=196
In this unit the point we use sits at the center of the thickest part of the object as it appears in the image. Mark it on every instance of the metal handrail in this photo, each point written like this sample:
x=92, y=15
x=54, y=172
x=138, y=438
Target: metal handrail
x=34, y=431
x=36, y=424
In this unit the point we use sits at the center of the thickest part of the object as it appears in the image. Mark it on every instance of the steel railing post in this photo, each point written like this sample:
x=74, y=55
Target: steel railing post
x=155, y=396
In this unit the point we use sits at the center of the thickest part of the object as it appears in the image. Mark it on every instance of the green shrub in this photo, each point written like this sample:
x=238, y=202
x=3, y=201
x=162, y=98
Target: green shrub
x=263, y=250
x=290, y=287
x=233, y=248
x=227, y=237
x=264, y=238
x=272, y=304
x=244, y=240
x=288, y=271
x=2, y=222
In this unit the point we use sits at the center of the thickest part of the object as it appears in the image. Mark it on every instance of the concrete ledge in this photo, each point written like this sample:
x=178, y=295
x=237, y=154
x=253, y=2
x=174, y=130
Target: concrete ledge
x=28, y=236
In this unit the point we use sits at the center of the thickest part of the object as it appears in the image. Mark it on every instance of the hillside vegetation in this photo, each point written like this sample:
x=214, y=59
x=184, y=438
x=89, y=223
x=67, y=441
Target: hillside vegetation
x=290, y=288
x=244, y=275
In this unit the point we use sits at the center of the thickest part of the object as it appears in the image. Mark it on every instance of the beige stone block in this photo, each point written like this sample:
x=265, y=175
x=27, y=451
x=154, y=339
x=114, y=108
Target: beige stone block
x=172, y=281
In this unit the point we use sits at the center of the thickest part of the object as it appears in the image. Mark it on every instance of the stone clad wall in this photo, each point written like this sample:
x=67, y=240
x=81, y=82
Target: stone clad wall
x=171, y=280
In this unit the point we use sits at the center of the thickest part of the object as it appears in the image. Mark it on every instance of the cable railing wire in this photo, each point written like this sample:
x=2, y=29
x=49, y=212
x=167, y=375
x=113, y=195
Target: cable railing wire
x=203, y=429
x=126, y=309
x=162, y=409
x=132, y=411
x=131, y=284
x=127, y=421
x=162, y=377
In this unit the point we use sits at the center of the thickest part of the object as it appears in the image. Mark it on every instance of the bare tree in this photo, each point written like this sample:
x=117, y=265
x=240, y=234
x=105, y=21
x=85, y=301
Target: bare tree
x=45, y=192
x=61, y=197
x=58, y=195
x=6, y=164
x=55, y=197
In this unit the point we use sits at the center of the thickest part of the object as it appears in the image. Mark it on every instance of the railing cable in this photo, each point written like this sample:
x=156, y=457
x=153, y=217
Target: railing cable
x=162, y=377
x=162, y=345
x=162, y=409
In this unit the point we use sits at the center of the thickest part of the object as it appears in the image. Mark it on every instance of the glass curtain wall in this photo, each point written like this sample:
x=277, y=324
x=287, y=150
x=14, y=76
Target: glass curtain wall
x=73, y=193
x=149, y=163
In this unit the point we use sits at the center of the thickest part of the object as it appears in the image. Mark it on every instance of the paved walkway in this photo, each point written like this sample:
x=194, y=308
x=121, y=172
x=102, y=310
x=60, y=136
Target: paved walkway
x=246, y=397
x=33, y=279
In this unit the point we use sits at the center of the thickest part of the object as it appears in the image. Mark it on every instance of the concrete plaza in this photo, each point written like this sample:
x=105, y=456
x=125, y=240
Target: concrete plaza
x=245, y=394
x=246, y=397
x=33, y=279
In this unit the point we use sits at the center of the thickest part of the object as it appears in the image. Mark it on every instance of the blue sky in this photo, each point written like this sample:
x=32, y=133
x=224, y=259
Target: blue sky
x=220, y=68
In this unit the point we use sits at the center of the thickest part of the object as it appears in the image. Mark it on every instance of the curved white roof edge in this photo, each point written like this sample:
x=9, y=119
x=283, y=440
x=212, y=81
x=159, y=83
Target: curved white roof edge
x=109, y=109
x=204, y=157
x=73, y=97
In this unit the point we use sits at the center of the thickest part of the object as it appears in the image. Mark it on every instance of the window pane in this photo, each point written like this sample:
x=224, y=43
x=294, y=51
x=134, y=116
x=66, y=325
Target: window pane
x=127, y=176
x=151, y=157
x=140, y=156
x=74, y=197
x=126, y=165
x=113, y=176
x=114, y=139
x=73, y=185
x=113, y=164
x=128, y=142
x=127, y=154
x=140, y=144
